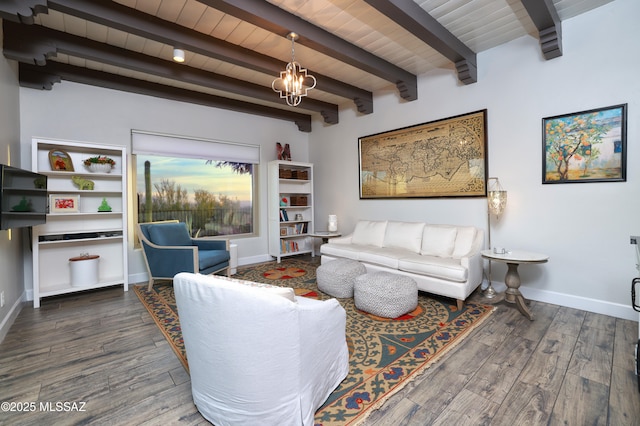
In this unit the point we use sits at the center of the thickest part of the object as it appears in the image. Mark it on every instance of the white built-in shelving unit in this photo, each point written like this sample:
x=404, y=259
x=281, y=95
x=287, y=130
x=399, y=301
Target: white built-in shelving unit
x=87, y=231
x=290, y=208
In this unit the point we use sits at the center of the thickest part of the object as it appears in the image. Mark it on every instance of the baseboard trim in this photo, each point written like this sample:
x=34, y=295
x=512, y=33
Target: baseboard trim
x=141, y=277
x=255, y=259
x=13, y=313
x=616, y=310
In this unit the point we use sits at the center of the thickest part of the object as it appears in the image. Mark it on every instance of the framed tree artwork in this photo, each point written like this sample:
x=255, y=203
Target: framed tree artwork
x=586, y=146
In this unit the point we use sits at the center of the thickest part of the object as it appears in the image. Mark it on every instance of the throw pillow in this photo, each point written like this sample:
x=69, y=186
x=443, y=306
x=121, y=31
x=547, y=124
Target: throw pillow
x=404, y=235
x=464, y=241
x=369, y=233
x=438, y=240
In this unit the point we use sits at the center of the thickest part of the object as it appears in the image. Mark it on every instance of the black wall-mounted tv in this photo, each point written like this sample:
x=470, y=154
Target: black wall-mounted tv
x=23, y=198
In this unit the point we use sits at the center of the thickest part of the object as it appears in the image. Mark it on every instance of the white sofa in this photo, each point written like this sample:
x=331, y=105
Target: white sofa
x=443, y=259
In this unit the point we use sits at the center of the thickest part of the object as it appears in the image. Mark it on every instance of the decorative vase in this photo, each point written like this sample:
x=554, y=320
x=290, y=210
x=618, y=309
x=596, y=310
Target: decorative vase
x=100, y=168
x=333, y=223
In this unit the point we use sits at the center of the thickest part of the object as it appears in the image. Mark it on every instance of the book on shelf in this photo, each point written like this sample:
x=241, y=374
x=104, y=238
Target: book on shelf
x=296, y=228
x=302, y=227
x=288, y=246
x=284, y=217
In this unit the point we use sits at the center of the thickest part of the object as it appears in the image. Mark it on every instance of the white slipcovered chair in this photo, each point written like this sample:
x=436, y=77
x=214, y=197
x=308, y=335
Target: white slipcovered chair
x=258, y=354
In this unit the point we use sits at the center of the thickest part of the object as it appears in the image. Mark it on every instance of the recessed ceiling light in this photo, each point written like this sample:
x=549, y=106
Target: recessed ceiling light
x=178, y=55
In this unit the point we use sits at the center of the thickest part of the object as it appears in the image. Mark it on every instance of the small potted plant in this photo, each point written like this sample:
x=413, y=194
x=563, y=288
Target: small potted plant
x=100, y=164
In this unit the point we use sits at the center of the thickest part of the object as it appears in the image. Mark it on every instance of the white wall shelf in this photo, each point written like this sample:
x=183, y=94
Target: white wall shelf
x=289, y=236
x=87, y=231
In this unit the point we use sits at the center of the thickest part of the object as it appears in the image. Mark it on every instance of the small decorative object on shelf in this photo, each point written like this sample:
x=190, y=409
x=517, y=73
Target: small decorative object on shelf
x=60, y=160
x=22, y=206
x=99, y=164
x=284, y=153
x=40, y=183
x=64, y=203
x=299, y=200
x=284, y=202
x=285, y=173
x=104, y=206
x=82, y=183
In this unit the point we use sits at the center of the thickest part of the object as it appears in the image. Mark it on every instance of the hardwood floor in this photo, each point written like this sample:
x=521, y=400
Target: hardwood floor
x=102, y=351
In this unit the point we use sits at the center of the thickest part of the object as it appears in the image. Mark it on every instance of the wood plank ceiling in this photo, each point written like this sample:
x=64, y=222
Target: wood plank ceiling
x=235, y=48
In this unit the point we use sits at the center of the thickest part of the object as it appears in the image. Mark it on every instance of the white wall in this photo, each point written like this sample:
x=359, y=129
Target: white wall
x=84, y=113
x=584, y=227
x=10, y=242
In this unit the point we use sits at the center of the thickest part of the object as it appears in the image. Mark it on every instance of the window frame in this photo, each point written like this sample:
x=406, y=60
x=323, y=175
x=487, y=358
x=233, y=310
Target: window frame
x=166, y=144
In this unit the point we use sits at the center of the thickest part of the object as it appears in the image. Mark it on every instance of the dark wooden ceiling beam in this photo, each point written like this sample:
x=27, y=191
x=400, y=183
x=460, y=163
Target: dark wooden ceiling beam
x=43, y=77
x=418, y=22
x=545, y=17
x=22, y=10
x=33, y=43
x=271, y=18
x=139, y=23
x=36, y=78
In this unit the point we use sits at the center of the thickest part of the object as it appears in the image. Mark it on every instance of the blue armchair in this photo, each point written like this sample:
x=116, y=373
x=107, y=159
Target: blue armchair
x=168, y=249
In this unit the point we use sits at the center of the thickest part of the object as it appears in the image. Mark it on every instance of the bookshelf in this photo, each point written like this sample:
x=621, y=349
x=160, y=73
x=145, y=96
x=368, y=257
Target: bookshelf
x=290, y=208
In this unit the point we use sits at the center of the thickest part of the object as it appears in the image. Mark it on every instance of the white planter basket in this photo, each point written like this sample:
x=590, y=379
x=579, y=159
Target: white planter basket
x=99, y=168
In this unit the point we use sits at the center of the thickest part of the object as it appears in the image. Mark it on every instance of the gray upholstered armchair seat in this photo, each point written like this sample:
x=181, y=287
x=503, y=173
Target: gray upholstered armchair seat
x=169, y=249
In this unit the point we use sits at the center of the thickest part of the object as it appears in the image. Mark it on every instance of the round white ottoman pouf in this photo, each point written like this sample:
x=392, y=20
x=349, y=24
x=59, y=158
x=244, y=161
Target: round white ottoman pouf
x=335, y=278
x=385, y=294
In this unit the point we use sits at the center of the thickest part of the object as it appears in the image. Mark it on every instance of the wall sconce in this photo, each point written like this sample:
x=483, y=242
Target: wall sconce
x=178, y=55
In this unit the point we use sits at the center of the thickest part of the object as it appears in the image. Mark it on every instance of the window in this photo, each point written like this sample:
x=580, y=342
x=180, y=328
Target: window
x=200, y=183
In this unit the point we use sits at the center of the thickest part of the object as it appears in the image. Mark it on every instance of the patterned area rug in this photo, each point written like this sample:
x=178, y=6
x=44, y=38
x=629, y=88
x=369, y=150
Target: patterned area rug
x=384, y=354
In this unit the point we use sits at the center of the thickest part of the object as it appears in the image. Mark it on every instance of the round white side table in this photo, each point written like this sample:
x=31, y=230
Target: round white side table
x=512, y=279
x=325, y=236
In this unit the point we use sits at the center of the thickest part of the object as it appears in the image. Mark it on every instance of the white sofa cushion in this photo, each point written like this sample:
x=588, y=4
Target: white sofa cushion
x=404, y=235
x=434, y=266
x=464, y=241
x=348, y=251
x=387, y=257
x=369, y=233
x=438, y=240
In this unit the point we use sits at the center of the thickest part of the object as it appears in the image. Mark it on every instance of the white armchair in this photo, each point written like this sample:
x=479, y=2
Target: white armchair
x=258, y=354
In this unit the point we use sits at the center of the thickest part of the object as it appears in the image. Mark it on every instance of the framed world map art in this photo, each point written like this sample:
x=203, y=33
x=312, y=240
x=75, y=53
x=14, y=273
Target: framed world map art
x=443, y=158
